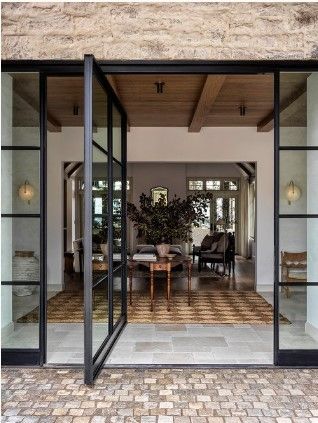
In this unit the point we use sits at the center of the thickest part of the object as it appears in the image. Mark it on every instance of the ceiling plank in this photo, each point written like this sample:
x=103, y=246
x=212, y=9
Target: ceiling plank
x=210, y=91
x=52, y=124
x=287, y=109
x=112, y=81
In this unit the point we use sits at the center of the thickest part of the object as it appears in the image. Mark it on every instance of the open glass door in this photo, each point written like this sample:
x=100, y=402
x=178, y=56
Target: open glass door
x=105, y=281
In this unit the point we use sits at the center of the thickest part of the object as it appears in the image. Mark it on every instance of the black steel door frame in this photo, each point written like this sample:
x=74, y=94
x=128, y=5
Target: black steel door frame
x=76, y=67
x=94, y=362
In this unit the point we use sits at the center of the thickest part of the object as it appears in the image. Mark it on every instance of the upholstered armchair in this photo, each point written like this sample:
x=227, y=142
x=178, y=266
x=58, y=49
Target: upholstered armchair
x=218, y=248
x=293, y=269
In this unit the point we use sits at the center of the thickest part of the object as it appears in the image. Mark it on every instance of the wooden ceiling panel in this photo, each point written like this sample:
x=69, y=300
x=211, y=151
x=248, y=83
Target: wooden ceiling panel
x=176, y=106
x=255, y=92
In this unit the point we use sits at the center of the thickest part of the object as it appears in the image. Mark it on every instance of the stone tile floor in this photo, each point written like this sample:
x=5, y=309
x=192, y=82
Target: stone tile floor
x=161, y=396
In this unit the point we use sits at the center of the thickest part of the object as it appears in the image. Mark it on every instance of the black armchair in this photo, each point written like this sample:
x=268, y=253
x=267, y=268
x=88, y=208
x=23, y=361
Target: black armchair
x=221, y=251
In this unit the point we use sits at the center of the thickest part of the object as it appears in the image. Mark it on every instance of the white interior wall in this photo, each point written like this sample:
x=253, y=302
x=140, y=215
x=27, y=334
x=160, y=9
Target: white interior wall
x=61, y=147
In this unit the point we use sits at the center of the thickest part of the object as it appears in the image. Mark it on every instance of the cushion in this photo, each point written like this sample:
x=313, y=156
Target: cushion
x=296, y=263
x=214, y=246
x=139, y=246
x=207, y=242
x=175, y=250
x=222, y=244
x=211, y=255
x=297, y=274
x=147, y=249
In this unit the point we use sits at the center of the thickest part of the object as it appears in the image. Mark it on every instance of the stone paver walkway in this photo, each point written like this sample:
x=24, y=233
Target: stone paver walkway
x=161, y=396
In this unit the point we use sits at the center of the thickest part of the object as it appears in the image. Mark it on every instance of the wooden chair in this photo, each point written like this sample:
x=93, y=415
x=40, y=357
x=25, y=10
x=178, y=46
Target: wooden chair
x=293, y=268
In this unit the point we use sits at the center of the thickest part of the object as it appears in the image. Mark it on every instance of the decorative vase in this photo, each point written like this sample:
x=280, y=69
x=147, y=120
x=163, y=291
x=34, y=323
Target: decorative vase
x=163, y=249
x=25, y=267
x=104, y=248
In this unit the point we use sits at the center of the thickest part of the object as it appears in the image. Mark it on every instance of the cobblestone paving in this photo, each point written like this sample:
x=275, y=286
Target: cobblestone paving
x=161, y=396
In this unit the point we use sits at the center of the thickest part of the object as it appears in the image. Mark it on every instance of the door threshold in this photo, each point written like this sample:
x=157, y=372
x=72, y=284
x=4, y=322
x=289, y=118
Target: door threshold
x=188, y=366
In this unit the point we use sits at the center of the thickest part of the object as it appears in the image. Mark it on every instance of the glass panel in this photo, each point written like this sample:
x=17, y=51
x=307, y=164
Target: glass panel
x=100, y=217
x=195, y=185
x=20, y=118
x=20, y=181
x=99, y=115
x=298, y=250
x=298, y=307
x=230, y=185
x=117, y=239
x=298, y=182
x=20, y=316
x=116, y=134
x=117, y=281
x=231, y=214
x=20, y=249
x=213, y=185
x=218, y=214
x=299, y=106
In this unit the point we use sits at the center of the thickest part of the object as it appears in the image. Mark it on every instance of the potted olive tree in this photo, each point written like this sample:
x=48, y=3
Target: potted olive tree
x=163, y=223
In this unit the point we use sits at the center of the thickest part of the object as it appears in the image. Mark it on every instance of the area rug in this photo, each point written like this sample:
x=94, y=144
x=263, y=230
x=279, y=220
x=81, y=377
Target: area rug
x=217, y=307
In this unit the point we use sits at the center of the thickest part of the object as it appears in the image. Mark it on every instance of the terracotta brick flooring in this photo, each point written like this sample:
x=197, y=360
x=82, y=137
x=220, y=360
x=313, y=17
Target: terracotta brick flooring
x=162, y=396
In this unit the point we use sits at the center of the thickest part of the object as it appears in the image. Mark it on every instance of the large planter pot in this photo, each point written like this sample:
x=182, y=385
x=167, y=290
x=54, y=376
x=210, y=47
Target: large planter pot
x=25, y=267
x=104, y=248
x=163, y=249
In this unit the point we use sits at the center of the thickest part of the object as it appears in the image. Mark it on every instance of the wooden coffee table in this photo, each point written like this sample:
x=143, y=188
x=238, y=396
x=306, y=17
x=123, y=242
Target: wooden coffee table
x=162, y=264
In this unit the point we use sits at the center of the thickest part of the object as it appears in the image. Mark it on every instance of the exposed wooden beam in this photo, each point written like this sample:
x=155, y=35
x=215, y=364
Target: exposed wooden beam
x=111, y=79
x=52, y=124
x=288, y=108
x=244, y=169
x=75, y=167
x=210, y=91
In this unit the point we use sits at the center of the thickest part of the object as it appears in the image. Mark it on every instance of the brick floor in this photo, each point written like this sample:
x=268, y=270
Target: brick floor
x=161, y=396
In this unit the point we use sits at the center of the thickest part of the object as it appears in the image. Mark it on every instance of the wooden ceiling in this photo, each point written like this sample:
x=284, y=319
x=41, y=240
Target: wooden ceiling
x=192, y=101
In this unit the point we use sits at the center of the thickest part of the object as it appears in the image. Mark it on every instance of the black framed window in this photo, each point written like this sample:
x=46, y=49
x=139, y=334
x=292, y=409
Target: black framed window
x=297, y=219
x=22, y=255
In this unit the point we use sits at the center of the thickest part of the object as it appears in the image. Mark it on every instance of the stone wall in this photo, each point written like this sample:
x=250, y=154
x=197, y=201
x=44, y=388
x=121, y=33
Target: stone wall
x=160, y=30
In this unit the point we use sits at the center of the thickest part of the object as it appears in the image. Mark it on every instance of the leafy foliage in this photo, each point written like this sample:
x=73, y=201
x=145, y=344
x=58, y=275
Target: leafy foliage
x=168, y=222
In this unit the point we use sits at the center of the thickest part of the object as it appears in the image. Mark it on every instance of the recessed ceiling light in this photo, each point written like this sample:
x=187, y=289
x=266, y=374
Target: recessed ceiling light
x=242, y=110
x=159, y=85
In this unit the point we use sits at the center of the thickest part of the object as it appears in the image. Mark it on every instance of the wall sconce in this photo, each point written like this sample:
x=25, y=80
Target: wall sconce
x=26, y=192
x=293, y=192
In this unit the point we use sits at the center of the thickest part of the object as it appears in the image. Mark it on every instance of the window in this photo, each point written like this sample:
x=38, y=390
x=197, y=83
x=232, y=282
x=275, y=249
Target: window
x=213, y=185
x=196, y=185
x=230, y=185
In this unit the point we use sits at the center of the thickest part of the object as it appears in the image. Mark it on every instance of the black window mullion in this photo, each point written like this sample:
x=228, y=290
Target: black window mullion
x=43, y=228
x=276, y=211
x=88, y=155
x=20, y=148
x=123, y=216
x=110, y=213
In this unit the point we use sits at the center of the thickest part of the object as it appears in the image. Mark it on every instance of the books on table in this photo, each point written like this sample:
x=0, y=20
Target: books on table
x=144, y=257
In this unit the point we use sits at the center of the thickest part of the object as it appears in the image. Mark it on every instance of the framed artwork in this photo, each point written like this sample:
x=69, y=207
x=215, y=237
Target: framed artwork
x=157, y=192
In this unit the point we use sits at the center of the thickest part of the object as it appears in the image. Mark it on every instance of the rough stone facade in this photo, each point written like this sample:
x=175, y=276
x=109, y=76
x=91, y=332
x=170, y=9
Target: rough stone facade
x=209, y=31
